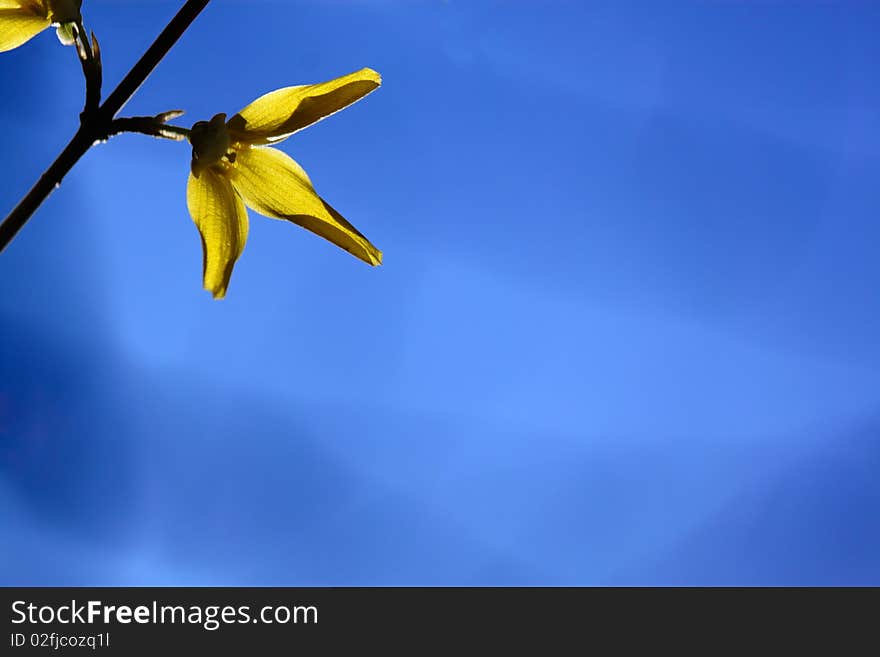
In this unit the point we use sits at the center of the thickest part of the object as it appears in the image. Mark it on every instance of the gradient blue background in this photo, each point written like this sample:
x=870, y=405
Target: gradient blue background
x=627, y=330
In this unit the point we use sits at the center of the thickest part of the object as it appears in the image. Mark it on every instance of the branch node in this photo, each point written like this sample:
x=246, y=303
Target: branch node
x=97, y=119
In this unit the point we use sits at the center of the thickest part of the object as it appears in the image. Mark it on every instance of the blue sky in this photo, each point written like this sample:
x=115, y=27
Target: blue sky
x=625, y=332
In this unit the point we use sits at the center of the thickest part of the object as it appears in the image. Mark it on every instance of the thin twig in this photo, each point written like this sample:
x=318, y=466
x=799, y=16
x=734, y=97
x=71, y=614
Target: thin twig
x=90, y=59
x=100, y=123
x=154, y=126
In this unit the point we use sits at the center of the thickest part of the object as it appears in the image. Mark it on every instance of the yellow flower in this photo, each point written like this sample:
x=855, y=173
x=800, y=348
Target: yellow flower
x=233, y=166
x=22, y=20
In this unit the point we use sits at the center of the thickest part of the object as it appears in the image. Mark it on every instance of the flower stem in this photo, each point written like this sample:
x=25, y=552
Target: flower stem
x=97, y=124
x=154, y=126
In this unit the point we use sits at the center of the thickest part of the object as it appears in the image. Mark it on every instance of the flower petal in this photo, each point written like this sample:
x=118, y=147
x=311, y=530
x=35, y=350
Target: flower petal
x=221, y=218
x=18, y=26
x=278, y=114
x=274, y=185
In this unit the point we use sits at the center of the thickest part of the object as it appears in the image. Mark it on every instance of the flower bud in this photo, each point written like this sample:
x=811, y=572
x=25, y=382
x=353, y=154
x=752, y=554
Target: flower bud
x=210, y=142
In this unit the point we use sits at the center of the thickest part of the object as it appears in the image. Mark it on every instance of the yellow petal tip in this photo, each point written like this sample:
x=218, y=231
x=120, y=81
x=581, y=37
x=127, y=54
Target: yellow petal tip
x=372, y=74
x=217, y=292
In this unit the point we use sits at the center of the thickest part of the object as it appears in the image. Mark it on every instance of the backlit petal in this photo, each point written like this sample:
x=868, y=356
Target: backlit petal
x=18, y=26
x=274, y=185
x=279, y=114
x=33, y=6
x=221, y=218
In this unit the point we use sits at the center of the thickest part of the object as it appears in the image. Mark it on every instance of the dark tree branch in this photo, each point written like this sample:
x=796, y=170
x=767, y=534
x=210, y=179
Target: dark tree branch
x=95, y=126
x=150, y=59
